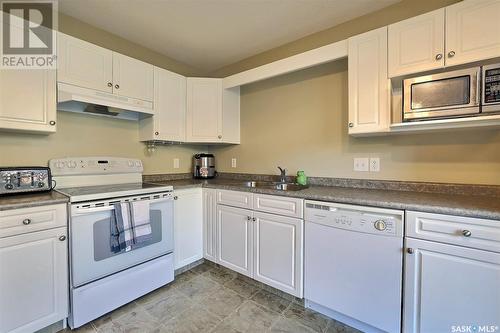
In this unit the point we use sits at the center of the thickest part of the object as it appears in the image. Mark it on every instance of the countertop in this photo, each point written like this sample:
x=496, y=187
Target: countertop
x=453, y=204
x=31, y=200
x=486, y=207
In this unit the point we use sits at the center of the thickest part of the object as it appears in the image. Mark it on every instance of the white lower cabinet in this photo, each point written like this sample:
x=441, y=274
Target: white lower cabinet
x=33, y=280
x=188, y=226
x=235, y=239
x=278, y=259
x=449, y=286
x=265, y=246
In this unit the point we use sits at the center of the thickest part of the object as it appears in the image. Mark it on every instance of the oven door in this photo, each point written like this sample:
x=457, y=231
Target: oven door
x=91, y=254
x=442, y=95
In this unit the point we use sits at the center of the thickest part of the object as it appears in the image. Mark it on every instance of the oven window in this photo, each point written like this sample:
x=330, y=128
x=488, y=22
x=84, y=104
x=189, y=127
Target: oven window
x=441, y=93
x=102, y=236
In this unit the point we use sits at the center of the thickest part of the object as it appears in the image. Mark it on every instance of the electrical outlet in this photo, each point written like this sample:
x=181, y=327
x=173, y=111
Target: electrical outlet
x=374, y=164
x=176, y=163
x=361, y=164
x=233, y=162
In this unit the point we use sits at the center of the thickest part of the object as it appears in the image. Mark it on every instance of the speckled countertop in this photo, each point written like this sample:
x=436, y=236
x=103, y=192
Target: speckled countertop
x=463, y=205
x=31, y=200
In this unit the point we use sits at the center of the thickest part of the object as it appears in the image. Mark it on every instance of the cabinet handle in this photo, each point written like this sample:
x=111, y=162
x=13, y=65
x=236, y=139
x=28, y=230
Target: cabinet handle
x=52, y=123
x=466, y=233
x=26, y=221
x=176, y=197
x=117, y=86
x=451, y=54
x=156, y=133
x=351, y=125
x=110, y=84
x=439, y=56
x=410, y=250
x=220, y=136
x=254, y=219
x=62, y=238
x=248, y=218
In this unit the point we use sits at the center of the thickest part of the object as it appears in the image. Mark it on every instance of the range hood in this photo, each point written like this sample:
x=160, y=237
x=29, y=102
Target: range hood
x=93, y=102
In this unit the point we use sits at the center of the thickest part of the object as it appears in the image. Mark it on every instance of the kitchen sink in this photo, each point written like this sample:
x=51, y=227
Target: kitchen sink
x=274, y=185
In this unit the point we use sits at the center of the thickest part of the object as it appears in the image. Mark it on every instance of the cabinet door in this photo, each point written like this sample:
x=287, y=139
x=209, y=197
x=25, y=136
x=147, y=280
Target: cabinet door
x=170, y=105
x=369, y=103
x=278, y=252
x=235, y=237
x=472, y=31
x=33, y=280
x=132, y=78
x=204, y=110
x=28, y=100
x=416, y=44
x=448, y=285
x=84, y=64
x=209, y=225
x=188, y=226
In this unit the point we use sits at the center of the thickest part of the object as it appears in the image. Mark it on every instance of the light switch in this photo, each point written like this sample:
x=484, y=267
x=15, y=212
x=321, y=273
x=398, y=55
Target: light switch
x=233, y=162
x=176, y=163
x=360, y=164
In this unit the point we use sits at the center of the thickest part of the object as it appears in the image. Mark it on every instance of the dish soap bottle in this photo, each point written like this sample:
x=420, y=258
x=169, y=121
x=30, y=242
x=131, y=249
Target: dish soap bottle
x=301, y=178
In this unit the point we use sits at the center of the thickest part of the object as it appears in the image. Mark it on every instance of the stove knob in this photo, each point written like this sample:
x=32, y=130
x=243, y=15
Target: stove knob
x=71, y=164
x=9, y=186
x=380, y=225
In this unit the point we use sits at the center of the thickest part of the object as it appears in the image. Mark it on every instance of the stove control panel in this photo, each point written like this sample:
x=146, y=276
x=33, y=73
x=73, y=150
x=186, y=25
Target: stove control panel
x=94, y=166
x=25, y=179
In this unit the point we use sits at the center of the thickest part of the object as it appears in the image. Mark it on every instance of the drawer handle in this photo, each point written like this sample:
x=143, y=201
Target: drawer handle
x=26, y=221
x=409, y=250
x=176, y=197
x=466, y=233
x=62, y=238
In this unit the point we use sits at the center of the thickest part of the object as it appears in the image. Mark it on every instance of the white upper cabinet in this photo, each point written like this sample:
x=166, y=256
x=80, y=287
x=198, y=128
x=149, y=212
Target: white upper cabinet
x=84, y=64
x=204, y=110
x=417, y=44
x=89, y=66
x=28, y=100
x=132, y=77
x=369, y=103
x=169, y=121
x=212, y=113
x=472, y=31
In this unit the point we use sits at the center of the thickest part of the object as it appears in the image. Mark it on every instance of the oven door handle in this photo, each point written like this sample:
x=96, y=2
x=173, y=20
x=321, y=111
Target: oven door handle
x=85, y=211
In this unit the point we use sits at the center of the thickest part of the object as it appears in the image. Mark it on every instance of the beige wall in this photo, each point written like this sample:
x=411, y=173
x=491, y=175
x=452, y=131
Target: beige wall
x=84, y=135
x=298, y=121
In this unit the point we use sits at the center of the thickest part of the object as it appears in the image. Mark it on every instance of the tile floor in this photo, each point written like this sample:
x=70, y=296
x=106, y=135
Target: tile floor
x=210, y=298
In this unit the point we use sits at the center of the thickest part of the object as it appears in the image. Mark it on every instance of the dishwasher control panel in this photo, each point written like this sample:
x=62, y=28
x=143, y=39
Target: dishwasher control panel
x=355, y=218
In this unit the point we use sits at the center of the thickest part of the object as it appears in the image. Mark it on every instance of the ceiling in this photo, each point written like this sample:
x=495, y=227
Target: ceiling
x=209, y=34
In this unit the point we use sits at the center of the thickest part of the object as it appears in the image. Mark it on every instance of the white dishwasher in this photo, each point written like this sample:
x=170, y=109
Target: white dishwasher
x=354, y=264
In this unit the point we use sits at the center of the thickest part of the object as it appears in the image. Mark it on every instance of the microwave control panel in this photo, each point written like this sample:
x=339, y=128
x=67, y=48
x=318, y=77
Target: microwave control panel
x=491, y=84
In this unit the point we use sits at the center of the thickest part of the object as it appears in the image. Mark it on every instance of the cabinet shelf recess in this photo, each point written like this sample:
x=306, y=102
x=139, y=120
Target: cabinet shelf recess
x=294, y=63
x=441, y=124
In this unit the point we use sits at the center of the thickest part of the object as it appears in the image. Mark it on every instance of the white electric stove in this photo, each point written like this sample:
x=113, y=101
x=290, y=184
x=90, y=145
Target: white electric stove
x=102, y=280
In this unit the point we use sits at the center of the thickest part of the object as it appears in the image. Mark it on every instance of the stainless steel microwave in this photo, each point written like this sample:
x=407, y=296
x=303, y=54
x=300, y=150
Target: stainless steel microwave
x=452, y=94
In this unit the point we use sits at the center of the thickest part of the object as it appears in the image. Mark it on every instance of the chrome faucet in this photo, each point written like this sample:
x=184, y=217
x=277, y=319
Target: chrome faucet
x=283, y=174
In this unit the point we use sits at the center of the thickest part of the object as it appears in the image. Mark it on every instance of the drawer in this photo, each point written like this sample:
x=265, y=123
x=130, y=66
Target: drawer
x=235, y=198
x=273, y=204
x=20, y=221
x=457, y=230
